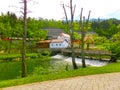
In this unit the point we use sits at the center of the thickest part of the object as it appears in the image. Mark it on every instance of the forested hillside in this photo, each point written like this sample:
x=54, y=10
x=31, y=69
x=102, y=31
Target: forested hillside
x=12, y=26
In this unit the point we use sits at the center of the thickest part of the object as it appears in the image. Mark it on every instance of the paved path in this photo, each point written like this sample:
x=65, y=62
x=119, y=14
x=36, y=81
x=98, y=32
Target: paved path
x=93, y=82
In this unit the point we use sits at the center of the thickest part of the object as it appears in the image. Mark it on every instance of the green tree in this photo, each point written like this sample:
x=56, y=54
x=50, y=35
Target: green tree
x=106, y=28
x=114, y=47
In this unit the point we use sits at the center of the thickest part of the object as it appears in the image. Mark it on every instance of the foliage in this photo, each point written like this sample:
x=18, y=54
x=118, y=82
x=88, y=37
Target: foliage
x=77, y=36
x=10, y=57
x=11, y=26
x=114, y=48
x=106, y=28
x=116, y=37
x=12, y=70
x=98, y=40
x=40, y=71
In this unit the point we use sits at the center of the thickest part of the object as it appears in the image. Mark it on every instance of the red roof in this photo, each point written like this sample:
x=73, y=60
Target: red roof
x=56, y=40
x=51, y=41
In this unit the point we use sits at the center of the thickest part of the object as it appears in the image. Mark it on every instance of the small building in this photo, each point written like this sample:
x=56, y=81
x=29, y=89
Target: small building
x=62, y=41
x=58, y=43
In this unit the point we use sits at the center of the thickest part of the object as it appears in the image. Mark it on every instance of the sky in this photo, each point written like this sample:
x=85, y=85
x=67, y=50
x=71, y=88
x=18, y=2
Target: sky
x=52, y=9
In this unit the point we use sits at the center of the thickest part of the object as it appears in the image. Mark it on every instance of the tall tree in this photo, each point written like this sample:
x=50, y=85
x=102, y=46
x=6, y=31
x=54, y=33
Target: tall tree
x=84, y=28
x=24, y=69
x=106, y=27
x=71, y=31
x=72, y=10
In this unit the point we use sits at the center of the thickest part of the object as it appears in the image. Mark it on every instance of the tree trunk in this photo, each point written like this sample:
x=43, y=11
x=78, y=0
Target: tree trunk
x=83, y=36
x=72, y=36
x=88, y=46
x=82, y=50
x=24, y=69
x=113, y=59
x=10, y=44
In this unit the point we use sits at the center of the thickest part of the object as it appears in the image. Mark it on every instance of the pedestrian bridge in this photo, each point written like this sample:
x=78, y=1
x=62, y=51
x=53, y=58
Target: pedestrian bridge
x=90, y=53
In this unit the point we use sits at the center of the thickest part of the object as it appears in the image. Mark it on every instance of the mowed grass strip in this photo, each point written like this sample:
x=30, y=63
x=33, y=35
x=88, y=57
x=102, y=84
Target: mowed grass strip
x=33, y=77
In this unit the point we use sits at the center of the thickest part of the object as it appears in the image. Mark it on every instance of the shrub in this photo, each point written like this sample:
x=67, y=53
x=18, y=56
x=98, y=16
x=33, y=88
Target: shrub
x=114, y=48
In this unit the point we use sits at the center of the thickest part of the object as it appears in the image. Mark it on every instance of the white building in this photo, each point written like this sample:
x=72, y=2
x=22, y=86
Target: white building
x=62, y=41
x=58, y=43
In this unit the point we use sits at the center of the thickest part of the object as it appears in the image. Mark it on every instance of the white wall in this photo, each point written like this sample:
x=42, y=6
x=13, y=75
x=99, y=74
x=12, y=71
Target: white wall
x=59, y=45
x=64, y=38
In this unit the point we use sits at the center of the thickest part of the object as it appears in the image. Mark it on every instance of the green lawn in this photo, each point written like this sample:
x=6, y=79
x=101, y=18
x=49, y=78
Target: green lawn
x=38, y=71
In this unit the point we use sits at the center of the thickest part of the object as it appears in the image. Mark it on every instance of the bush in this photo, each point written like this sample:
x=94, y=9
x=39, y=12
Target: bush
x=46, y=53
x=32, y=55
x=100, y=40
x=40, y=70
x=114, y=48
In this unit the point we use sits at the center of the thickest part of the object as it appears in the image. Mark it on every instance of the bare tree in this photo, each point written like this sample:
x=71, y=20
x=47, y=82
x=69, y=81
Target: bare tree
x=66, y=17
x=72, y=34
x=70, y=27
x=84, y=28
x=24, y=44
x=24, y=68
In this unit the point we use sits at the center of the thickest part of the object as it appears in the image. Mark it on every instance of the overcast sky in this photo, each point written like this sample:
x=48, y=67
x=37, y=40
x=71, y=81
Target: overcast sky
x=52, y=8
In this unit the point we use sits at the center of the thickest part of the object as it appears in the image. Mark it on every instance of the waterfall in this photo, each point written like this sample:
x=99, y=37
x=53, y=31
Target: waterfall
x=89, y=62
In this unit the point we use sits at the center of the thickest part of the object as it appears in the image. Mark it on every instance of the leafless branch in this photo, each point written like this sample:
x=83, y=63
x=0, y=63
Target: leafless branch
x=88, y=17
x=74, y=10
x=81, y=17
x=65, y=14
x=88, y=20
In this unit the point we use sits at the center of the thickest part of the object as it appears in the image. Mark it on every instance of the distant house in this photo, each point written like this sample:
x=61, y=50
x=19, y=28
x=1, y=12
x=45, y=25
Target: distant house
x=62, y=41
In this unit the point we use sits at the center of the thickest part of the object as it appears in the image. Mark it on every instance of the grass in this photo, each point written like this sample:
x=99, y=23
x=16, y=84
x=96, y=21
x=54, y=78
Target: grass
x=38, y=71
x=12, y=69
x=10, y=57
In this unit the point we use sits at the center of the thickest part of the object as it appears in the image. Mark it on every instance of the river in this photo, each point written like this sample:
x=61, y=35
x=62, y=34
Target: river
x=89, y=62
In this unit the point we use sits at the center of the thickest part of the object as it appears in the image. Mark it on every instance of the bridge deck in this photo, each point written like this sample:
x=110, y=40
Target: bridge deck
x=78, y=51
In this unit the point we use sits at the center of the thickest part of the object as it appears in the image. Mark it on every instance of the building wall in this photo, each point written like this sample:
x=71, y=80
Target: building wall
x=58, y=45
x=66, y=39
x=42, y=45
